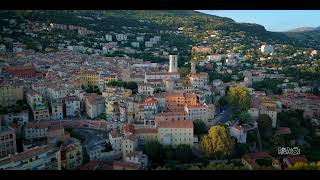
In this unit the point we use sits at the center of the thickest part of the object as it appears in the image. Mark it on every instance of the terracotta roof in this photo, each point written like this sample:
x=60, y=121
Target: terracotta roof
x=180, y=94
x=150, y=100
x=146, y=131
x=181, y=113
x=128, y=128
x=252, y=157
x=106, y=167
x=32, y=92
x=130, y=137
x=122, y=164
x=312, y=97
x=26, y=154
x=41, y=124
x=175, y=124
x=93, y=98
x=13, y=125
x=114, y=134
x=44, y=83
x=294, y=159
x=283, y=130
x=56, y=128
x=203, y=75
x=91, y=165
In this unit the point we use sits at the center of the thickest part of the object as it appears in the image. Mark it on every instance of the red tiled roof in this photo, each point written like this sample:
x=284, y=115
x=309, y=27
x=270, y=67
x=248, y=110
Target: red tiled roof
x=45, y=83
x=126, y=165
x=146, y=131
x=175, y=124
x=41, y=124
x=91, y=165
x=181, y=113
x=150, y=100
x=32, y=92
x=283, y=130
x=130, y=137
x=203, y=75
x=26, y=154
x=128, y=128
x=106, y=167
x=56, y=128
x=92, y=98
x=114, y=134
x=312, y=97
x=12, y=125
x=252, y=157
x=180, y=94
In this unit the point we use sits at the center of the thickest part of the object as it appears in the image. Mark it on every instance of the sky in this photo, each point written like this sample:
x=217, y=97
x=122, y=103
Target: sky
x=272, y=20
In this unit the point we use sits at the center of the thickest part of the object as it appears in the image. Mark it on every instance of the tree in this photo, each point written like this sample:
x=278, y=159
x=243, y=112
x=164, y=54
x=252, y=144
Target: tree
x=244, y=116
x=241, y=149
x=239, y=97
x=157, y=90
x=184, y=153
x=184, y=71
x=17, y=108
x=199, y=127
x=169, y=152
x=96, y=89
x=20, y=102
x=264, y=122
x=223, y=101
x=132, y=85
x=217, y=143
x=305, y=166
x=153, y=149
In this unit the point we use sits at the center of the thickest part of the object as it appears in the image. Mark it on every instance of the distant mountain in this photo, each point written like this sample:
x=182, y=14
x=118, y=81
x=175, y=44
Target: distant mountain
x=309, y=36
x=153, y=20
x=302, y=29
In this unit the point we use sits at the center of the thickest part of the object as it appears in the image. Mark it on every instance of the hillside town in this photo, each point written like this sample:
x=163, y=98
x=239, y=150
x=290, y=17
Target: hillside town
x=85, y=105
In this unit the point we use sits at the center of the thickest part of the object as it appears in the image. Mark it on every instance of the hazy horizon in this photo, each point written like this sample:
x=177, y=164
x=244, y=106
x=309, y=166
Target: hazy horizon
x=272, y=20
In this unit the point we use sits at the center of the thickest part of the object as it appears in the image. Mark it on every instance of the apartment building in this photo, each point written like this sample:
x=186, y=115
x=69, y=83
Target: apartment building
x=176, y=102
x=7, y=141
x=39, y=158
x=199, y=80
x=95, y=105
x=56, y=109
x=71, y=154
x=10, y=93
x=175, y=132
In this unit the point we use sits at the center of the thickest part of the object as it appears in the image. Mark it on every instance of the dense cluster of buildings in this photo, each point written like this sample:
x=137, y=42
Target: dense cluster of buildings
x=44, y=99
x=44, y=95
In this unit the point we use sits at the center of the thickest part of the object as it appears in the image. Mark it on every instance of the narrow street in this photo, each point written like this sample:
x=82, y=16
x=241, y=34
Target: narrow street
x=222, y=117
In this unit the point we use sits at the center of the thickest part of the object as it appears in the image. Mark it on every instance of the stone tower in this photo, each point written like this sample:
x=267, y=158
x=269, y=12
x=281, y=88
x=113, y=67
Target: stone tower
x=193, y=67
x=173, y=63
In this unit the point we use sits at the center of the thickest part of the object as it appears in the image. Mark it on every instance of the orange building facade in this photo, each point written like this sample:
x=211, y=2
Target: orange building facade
x=175, y=102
